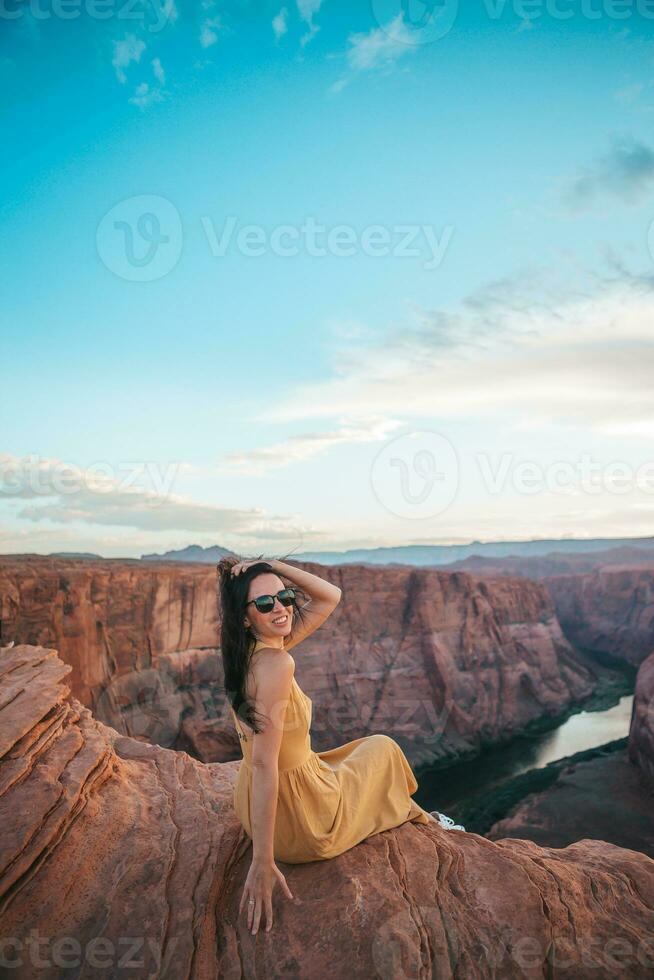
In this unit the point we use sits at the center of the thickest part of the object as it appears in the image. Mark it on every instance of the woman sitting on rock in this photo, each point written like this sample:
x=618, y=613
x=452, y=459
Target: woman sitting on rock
x=295, y=804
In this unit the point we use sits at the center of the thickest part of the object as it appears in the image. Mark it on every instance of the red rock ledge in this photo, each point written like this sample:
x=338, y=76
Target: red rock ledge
x=120, y=858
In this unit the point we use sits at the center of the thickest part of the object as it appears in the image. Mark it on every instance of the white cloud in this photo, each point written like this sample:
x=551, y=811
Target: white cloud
x=208, y=32
x=125, y=52
x=302, y=447
x=526, y=24
x=307, y=10
x=52, y=491
x=626, y=172
x=378, y=49
x=158, y=71
x=531, y=353
x=144, y=96
x=280, y=23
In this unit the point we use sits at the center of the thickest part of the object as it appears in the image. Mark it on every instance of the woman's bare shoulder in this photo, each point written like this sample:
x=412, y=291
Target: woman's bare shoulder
x=265, y=661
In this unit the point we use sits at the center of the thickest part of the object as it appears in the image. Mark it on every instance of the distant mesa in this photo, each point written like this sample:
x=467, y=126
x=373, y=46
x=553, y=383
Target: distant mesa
x=206, y=556
x=74, y=554
x=547, y=556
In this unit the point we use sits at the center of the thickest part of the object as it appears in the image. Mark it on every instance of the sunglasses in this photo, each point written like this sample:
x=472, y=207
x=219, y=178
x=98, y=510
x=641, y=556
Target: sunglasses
x=266, y=603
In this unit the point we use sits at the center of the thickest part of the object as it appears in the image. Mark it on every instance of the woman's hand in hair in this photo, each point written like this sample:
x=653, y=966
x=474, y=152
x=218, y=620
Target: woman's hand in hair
x=258, y=891
x=240, y=565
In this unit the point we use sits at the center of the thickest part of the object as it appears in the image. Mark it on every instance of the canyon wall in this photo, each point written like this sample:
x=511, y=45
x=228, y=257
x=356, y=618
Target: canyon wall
x=106, y=618
x=641, y=734
x=609, y=611
x=126, y=859
x=445, y=663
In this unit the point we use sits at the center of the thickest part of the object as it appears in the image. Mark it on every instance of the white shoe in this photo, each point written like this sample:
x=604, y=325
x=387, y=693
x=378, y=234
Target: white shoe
x=446, y=822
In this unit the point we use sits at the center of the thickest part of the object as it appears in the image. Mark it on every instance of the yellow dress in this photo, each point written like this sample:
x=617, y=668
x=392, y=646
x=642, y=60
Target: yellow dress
x=329, y=801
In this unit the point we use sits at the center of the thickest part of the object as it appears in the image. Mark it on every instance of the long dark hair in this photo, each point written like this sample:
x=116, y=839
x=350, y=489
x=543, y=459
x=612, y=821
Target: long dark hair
x=237, y=641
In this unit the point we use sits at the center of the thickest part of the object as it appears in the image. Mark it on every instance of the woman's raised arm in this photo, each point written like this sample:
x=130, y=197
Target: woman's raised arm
x=323, y=599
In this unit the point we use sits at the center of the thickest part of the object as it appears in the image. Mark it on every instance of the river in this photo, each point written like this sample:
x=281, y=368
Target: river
x=447, y=789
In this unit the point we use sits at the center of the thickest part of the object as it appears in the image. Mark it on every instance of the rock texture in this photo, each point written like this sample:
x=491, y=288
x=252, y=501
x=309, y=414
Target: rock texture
x=179, y=704
x=641, y=735
x=604, y=601
x=120, y=858
x=605, y=798
x=609, y=611
x=106, y=618
x=611, y=798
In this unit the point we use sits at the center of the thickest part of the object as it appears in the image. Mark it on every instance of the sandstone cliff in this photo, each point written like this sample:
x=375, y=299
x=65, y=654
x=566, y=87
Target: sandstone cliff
x=125, y=859
x=609, y=611
x=641, y=734
x=106, y=618
x=443, y=662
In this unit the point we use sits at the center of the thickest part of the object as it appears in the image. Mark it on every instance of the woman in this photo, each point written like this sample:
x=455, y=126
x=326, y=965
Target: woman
x=297, y=805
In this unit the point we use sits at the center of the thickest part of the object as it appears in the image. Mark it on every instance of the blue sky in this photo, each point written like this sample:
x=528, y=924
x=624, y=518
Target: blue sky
x=306, y=275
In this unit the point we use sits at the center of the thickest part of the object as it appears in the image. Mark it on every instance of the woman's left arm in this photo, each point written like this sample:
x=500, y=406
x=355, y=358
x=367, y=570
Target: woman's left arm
x=323, y=599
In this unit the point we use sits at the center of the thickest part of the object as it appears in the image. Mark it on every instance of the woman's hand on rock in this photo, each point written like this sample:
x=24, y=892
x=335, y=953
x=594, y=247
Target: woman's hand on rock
x=258, y=891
